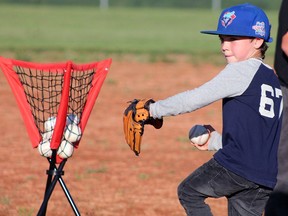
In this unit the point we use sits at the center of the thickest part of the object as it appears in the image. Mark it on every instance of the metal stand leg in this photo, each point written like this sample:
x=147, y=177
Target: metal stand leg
x=68, y=196
x=52, y=161
x=50, y=185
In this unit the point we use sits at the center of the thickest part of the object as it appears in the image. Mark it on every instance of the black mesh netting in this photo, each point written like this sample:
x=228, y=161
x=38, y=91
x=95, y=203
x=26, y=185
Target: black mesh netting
x=43, y=90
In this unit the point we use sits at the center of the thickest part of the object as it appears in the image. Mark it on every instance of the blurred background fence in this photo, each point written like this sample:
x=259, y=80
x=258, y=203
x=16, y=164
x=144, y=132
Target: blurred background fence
x=265, y=4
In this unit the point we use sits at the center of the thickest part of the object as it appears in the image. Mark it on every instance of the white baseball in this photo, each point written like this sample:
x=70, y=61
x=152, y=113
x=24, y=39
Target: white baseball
x=50, y=123
x=200, y=140
x=72, y=119
x=47, y=135
x=72, y=133
x=65, y=149
x=44, y=148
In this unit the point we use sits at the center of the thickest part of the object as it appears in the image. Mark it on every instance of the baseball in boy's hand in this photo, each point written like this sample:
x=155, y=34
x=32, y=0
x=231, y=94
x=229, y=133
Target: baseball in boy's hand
x=199, y=135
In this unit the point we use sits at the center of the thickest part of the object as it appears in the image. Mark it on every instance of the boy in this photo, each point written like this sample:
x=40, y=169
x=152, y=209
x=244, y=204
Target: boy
x=244, y=168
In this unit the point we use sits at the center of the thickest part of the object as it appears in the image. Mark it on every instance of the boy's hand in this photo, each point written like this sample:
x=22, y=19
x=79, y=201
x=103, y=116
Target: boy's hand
x=199, y=136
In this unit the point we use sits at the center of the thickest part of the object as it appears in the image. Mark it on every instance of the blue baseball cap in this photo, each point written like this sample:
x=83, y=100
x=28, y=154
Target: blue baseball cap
x=243, y=20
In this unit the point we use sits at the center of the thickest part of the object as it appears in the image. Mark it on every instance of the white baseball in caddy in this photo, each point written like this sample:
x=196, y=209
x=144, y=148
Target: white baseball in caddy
x=44, y=148
x=44, y=145
x=65, y=149
x=72, y=119
x=50, y=123
x=72, y=133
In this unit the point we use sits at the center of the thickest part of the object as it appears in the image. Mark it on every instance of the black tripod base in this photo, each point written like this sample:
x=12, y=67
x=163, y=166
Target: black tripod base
x=51, y=183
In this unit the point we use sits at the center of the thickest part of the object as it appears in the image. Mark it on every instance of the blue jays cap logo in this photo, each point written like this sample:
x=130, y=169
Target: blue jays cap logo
x=259, y=28
x=228, y=18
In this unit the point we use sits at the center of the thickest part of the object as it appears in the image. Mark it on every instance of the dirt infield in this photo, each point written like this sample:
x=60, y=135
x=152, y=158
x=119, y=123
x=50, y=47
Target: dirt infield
x=104, y=177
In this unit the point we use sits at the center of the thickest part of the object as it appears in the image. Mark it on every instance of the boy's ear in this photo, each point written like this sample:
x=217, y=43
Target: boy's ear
x=258, y=42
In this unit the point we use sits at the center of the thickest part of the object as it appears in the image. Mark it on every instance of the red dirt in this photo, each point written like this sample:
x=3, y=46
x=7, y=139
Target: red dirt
x=104, y=176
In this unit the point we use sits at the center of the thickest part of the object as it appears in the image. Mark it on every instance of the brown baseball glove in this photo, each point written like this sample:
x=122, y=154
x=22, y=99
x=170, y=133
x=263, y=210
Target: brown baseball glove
x=135, y=117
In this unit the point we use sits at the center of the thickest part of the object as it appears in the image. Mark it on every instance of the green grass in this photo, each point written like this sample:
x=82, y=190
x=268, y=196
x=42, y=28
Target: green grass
x=5, y=200
x=23, y=211
x=75, y=31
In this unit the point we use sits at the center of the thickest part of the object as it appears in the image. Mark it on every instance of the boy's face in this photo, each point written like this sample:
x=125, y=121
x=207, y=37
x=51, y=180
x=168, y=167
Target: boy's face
x=239, y=48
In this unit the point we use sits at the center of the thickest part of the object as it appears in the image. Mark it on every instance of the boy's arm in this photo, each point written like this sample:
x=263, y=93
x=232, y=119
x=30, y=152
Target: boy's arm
x=230, y=82
x=215, y=141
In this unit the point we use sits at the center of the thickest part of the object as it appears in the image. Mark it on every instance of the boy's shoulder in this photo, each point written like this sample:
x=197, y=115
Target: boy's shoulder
x=252, y=63
x=248, y=69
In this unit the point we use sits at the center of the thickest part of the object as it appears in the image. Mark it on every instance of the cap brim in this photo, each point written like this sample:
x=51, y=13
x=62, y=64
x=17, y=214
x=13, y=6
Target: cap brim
x=225, y=33
x=211, y=32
